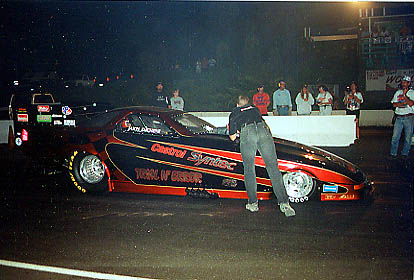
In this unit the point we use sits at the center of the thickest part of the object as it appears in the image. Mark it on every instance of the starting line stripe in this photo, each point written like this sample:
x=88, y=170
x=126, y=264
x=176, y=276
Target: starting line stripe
x=68, y=271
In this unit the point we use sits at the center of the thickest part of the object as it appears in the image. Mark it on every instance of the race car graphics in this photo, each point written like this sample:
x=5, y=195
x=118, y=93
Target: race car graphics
x=198, y=158
x=66, y=110
x=168, y=150
x=22, y=117
x=328, y=188
x=44, y=118
x=43, y=108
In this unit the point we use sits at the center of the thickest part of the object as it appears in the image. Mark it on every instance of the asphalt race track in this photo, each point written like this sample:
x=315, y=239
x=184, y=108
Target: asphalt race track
x=115, y=235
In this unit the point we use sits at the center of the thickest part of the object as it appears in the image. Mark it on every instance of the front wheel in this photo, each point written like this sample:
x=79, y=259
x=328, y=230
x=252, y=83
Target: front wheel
x=299, y=186
x=87, y=172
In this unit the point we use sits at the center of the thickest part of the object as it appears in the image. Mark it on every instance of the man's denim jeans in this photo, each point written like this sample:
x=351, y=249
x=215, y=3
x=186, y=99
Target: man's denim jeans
x=255, y=137
x=405, y=123
x=283, y=111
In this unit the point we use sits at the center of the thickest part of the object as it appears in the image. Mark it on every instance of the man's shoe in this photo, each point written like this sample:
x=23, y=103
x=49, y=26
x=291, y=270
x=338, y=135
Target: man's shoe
x=253, y=207
x=287, y=209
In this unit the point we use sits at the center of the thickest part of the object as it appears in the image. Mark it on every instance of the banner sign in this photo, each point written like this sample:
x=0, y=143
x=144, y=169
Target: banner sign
x=382, y=80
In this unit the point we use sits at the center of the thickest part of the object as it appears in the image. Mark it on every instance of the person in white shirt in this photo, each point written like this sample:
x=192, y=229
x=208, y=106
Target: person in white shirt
x=304, y=101
x=324, y=100
x=352, y=100
x=403, y=102
x=177, y=102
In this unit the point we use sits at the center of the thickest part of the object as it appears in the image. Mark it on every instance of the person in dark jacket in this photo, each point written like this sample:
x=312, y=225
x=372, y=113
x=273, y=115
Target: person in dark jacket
x=159, y=99
x=255, y=135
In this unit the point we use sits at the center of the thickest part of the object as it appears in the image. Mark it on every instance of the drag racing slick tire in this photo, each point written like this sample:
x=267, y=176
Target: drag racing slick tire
x=87, y=172
x=299, y=186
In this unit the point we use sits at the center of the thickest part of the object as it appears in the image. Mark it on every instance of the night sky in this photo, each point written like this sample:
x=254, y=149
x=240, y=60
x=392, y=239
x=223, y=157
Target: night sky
x=98, y=38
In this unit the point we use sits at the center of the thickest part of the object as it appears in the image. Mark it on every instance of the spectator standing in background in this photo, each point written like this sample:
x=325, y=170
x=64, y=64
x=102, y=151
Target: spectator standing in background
x=324, y=100
x=304, y=101
x=282, y=103
x=177, y=102
x=403, y=102
x=159, y=99
x=211, y=63
x=198, y=66
x=204, y=64
x=352, y=100
x=261, y=100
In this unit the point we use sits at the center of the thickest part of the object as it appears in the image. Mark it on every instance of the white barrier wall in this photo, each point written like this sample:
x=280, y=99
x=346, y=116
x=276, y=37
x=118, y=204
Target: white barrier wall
x=334, y=131
x=4, y=131
x=367, y=118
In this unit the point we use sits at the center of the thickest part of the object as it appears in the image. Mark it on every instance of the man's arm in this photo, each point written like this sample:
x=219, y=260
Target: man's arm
x=233, y=136
x=254, y=99
x=409, y=99
x=404, y=103
x=357, y=99
x=274, y=101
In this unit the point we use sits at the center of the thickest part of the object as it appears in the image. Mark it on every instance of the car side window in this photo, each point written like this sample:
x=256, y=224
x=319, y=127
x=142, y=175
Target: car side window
x=156, y=125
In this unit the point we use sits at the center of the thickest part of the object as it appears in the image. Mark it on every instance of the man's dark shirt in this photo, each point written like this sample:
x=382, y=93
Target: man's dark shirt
x=243, y=115
x=160, y=100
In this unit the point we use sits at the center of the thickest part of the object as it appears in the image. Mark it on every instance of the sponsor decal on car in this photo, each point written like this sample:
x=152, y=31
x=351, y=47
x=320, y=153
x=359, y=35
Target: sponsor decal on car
x=228, y=182
x=22, y=117
x=66, y=110
x=44, y=118
x=330, y=188
x=57, y=122
x=43, y=108
x=198, y=158
x=168, y=175
x=144, y=129
x=325, y=197
x=168, y=150
x=347, y=196
x=69, y=122
x=57, y=116
x=18, y=141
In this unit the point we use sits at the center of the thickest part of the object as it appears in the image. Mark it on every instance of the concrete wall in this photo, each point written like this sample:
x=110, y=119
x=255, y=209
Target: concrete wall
x=367, y=118
x=337, y=130
x=4, y=131
x=326, y=131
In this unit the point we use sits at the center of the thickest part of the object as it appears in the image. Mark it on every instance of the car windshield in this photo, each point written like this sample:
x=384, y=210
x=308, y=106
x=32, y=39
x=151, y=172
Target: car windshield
x=96, y=120
x=42, y=98
x=195, y=125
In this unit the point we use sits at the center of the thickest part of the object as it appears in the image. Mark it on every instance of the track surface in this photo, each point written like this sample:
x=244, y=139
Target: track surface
x=163, y=237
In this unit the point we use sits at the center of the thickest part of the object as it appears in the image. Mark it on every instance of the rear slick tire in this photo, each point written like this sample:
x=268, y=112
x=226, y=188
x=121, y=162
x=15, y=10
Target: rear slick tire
x=88, y=173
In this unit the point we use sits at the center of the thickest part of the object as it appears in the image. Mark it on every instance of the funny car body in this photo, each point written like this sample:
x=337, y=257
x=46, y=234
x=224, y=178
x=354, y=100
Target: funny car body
x=161, y=151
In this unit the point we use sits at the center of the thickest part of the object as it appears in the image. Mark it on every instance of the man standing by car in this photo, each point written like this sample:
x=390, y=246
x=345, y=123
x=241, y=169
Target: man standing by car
x=255, y=135
x=282, y=103
x=158, y=98
x=261, y=100
x=403, y=102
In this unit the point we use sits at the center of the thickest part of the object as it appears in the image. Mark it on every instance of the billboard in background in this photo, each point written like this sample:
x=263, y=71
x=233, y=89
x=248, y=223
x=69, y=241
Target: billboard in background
x=382, y=80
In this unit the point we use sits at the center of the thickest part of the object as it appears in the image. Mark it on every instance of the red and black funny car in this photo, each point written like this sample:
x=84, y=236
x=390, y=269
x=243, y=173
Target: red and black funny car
x=160, y=151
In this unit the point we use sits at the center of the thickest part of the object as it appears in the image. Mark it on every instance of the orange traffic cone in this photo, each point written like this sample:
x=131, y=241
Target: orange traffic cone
x=11, y=138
